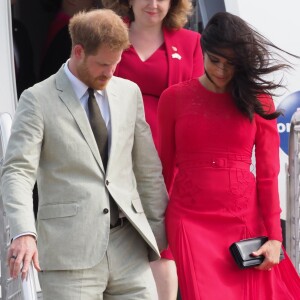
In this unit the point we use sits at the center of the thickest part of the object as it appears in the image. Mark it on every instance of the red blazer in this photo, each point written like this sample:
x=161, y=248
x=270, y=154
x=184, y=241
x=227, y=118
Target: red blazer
x=184, y=53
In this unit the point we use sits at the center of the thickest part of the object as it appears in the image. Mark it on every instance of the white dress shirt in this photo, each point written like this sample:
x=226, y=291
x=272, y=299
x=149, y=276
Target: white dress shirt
x=81, y=92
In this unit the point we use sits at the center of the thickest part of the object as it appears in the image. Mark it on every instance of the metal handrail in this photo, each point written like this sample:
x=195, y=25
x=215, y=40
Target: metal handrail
x=293, y=191
x=14, y=289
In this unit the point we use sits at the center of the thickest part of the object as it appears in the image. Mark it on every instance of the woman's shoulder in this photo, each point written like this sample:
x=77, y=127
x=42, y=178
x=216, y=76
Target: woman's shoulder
x=267, y=102
x=177, y=97
x=182, y=33
x=182, y=88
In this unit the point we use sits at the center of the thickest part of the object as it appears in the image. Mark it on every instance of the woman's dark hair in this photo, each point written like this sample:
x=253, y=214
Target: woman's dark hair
x=252, y=59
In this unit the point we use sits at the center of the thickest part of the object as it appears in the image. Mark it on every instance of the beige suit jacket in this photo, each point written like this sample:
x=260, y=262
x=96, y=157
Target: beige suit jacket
x=51, y=140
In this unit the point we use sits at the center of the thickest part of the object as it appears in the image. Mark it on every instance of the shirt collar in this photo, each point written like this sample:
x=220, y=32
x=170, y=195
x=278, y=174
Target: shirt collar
x=79, y=87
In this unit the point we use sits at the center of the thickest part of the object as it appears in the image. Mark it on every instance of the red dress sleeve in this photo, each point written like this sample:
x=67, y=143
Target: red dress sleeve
x=166, y=143
x=166, y=134
x=267, y=170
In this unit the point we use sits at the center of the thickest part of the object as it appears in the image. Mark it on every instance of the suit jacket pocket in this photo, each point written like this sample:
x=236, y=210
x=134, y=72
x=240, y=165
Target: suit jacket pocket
x=57, y=211
x=137, y=205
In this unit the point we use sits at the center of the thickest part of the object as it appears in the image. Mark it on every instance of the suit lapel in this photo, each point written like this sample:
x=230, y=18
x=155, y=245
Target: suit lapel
x=67, y=95
x=115, y=109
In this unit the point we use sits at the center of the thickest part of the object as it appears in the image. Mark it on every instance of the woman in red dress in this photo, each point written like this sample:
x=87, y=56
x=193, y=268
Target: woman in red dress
x=208, y=128
x=162, y=53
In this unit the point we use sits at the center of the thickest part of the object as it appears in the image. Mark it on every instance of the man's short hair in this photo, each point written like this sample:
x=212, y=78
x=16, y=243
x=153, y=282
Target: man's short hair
x=98, y=27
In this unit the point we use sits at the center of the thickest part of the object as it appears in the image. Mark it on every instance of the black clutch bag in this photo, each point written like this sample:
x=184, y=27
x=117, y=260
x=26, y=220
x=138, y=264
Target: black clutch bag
x=241, y=252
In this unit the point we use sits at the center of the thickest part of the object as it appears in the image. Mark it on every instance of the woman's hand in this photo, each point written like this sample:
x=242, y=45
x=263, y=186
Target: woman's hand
x=271, y=251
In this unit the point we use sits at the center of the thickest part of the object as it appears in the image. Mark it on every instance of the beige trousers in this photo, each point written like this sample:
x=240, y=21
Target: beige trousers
x=123, y=274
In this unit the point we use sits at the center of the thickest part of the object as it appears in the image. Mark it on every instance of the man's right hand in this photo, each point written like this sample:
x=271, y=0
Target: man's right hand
x=21, y=252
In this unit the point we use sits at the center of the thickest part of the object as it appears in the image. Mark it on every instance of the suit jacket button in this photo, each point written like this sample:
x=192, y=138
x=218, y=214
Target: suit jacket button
x=105, y=210
x=106, y=182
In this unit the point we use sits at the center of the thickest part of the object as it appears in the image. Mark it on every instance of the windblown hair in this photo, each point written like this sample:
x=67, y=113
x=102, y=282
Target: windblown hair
x=252, y=59
x=99, y=27
x=176, y=18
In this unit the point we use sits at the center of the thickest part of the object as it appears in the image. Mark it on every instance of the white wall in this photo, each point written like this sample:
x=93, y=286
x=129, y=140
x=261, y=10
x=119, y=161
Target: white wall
x=8, y=96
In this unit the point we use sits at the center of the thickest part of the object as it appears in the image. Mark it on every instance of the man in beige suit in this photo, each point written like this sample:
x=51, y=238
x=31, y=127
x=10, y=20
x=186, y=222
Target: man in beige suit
x=81, y=254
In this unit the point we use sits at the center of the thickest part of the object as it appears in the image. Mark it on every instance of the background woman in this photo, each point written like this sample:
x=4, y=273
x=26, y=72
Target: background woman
x=162, y=53
x=208, y=128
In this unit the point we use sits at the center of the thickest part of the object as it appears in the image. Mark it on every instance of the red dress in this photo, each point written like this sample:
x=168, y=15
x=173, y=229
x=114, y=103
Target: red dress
x=215, y=198
x=178, y=59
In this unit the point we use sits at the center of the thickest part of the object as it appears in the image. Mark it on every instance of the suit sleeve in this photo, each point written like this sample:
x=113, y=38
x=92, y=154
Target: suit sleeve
x=20, y=165
x=267, y=170
x=166, y=134
x=148, y=173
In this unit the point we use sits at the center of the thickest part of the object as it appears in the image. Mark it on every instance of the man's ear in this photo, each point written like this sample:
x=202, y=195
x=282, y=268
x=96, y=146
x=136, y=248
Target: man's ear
x=78, y=51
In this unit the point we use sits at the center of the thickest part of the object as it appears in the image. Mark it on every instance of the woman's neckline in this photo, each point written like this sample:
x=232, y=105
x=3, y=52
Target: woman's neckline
x=209, y=90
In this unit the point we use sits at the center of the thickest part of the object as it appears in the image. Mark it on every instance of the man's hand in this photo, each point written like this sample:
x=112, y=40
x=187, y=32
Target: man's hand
x=21, y=252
